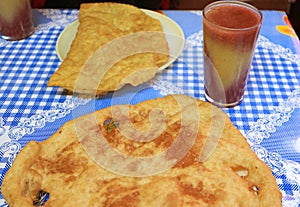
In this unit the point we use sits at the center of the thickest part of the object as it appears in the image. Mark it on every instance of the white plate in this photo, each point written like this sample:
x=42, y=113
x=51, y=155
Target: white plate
x=174, y=36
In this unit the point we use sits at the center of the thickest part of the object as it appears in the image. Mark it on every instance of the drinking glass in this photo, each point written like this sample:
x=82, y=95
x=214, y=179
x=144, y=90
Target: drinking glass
x=15, y=19
x=230, y=31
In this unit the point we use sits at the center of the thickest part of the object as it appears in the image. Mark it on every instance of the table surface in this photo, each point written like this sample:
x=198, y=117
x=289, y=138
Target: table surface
x=269, y=115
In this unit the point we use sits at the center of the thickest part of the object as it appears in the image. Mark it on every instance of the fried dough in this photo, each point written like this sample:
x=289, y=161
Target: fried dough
x=209, y=162
x=116, y=44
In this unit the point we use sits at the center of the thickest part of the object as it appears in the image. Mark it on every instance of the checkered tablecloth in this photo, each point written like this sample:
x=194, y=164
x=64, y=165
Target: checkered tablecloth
x=269, y=115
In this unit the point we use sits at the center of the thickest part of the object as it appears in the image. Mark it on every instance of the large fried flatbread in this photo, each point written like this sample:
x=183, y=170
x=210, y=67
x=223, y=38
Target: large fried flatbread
x=211, y=162
x=131, y=47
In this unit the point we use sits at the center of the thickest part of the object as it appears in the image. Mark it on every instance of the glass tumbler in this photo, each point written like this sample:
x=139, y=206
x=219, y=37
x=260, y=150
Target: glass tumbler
x=15, y=19
x=230, y=31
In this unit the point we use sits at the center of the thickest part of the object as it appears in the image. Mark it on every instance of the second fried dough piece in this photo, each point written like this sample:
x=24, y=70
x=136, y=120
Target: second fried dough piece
x=100, y=25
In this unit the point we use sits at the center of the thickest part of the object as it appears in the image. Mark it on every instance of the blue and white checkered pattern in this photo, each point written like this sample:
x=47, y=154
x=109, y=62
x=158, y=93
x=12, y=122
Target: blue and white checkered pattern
x=28, y=106
x=25, y=68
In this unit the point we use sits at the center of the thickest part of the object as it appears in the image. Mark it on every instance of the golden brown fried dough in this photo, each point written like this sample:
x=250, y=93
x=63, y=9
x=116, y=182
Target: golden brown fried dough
x=76, y=169
x=131, y=47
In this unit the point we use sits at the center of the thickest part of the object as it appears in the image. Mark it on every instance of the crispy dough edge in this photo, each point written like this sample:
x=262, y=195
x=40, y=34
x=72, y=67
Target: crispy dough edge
x=12, y=191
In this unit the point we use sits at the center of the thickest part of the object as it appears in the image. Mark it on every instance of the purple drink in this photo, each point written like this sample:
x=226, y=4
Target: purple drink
x=230, y=32
x=15, y=19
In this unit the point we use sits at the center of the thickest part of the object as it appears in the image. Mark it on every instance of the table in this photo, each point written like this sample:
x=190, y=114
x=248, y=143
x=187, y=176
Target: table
x=269, y=116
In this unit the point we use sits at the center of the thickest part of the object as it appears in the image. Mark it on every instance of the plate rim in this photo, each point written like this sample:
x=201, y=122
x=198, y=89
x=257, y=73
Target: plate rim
x=153, y=14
